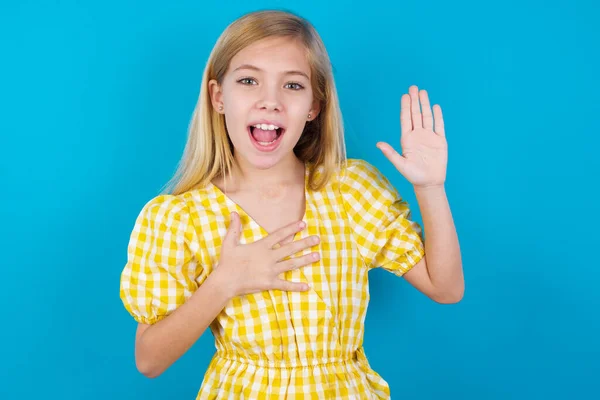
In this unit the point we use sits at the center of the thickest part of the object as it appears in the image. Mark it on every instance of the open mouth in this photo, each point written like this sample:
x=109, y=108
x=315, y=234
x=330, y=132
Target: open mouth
x=266, y=139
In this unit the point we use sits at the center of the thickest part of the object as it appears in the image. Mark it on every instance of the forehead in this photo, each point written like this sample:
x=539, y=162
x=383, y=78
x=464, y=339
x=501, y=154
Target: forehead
x=273, y=54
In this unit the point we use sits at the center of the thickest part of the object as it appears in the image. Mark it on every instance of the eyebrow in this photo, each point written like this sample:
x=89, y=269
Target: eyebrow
x=254, y=68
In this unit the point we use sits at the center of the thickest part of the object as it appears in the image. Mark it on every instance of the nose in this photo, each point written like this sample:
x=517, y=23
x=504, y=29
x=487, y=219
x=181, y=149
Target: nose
x=269, y=99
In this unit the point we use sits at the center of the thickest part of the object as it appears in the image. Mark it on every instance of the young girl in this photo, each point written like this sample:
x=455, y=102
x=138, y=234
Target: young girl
x=269, y=231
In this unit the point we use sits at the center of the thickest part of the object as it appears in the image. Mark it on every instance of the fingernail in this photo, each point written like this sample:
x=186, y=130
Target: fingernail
x=301, y=225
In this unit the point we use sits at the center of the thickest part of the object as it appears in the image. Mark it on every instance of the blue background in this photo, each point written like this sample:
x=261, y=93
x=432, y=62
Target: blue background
x=95, y=102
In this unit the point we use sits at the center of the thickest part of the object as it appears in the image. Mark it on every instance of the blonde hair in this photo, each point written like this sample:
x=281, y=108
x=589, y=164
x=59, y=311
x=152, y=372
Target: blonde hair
x=209, y=152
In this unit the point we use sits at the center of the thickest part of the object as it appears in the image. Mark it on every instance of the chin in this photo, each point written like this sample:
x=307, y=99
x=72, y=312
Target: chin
x=266, y=160
x=259, y=161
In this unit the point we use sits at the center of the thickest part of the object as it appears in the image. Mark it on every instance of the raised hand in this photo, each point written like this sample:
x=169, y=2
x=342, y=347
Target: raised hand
x=256, y=266
x=424, y=156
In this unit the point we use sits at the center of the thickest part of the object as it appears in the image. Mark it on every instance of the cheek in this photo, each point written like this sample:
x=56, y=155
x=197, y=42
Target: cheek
x=236, y=112
x=296, y=106
x=233, y=103
x=235, y=126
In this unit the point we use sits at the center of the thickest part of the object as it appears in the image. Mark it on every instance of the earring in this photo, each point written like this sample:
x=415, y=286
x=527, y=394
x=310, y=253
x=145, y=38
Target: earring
x=220, y=108
x=309, y=116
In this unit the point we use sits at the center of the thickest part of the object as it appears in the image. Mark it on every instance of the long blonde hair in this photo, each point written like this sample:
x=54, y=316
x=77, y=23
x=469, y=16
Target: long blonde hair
x=209, y=152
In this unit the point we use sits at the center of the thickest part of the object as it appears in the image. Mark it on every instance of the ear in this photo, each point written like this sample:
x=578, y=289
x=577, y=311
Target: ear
x=314, y=111
x=216, y=96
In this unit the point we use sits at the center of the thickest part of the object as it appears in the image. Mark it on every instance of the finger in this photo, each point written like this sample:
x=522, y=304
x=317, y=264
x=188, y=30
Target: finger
x=405, y=119
x=292, y=248
x=426, y=108
x=279, y=235
x=439, y=120
x=297, y=262
x=232, y=237
x=395, y=158
x=415, y=109
x=288, y=286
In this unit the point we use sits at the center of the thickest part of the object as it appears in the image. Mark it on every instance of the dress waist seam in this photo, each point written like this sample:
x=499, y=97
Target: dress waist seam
x=287, y=364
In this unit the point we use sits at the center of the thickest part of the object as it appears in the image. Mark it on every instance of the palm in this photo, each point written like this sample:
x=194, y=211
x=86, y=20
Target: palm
x=424, y=150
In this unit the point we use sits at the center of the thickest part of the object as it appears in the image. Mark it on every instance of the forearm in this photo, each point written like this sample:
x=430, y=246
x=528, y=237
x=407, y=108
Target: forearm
x=442, y=250
x=162, y=343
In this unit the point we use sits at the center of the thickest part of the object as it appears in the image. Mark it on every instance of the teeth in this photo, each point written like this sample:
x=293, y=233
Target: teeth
x=266, y=127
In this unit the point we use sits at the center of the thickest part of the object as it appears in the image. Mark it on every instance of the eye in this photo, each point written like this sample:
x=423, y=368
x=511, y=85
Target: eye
x=296, y=86
x=244, y=81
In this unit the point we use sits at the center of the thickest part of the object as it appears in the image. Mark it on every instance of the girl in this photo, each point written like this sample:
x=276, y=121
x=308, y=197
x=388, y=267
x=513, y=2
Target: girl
x=269, y=231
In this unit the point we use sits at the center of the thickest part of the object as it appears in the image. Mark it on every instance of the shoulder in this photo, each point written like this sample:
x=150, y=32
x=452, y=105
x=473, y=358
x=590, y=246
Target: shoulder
x=360, y=176
x=357, y=164
x=167, y=222
x=167, y=212
x=360, y=167
x=179, y=205
x=165, y=205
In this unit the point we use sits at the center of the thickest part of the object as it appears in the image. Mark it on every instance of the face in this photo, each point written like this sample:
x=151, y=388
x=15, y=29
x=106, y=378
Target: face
x=267, y=84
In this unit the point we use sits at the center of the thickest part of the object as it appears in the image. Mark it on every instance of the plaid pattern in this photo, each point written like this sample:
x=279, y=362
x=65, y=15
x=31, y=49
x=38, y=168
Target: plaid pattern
x=275, y=344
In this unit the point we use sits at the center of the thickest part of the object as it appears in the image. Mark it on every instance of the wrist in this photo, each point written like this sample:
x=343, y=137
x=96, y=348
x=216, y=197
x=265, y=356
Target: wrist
x=223, y=283
x=429, y=188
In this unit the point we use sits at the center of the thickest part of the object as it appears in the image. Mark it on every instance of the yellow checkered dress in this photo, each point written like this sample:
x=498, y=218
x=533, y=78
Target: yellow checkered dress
x=275, y=344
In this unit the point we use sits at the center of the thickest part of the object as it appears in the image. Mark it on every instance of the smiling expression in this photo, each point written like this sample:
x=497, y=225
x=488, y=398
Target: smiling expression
x=268, y=84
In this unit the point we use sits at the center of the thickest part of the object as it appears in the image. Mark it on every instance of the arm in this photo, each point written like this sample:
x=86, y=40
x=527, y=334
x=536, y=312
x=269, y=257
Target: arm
x=423, y=163
x=243, y=269
x=439, y=275
x=159, y=345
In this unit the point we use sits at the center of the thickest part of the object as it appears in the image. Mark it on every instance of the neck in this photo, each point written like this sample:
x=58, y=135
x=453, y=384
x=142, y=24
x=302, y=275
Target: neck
x=288, y=171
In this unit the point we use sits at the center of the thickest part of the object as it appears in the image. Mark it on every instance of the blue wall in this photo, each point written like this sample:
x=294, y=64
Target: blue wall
x=95, y=103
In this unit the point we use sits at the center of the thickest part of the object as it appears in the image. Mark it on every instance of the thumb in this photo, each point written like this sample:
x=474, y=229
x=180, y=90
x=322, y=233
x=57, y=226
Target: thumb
x=395, y=158
x=232, y=237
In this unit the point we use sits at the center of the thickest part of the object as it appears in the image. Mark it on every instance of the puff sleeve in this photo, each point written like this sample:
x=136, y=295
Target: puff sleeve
x=380, y=218
x=161, y=271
